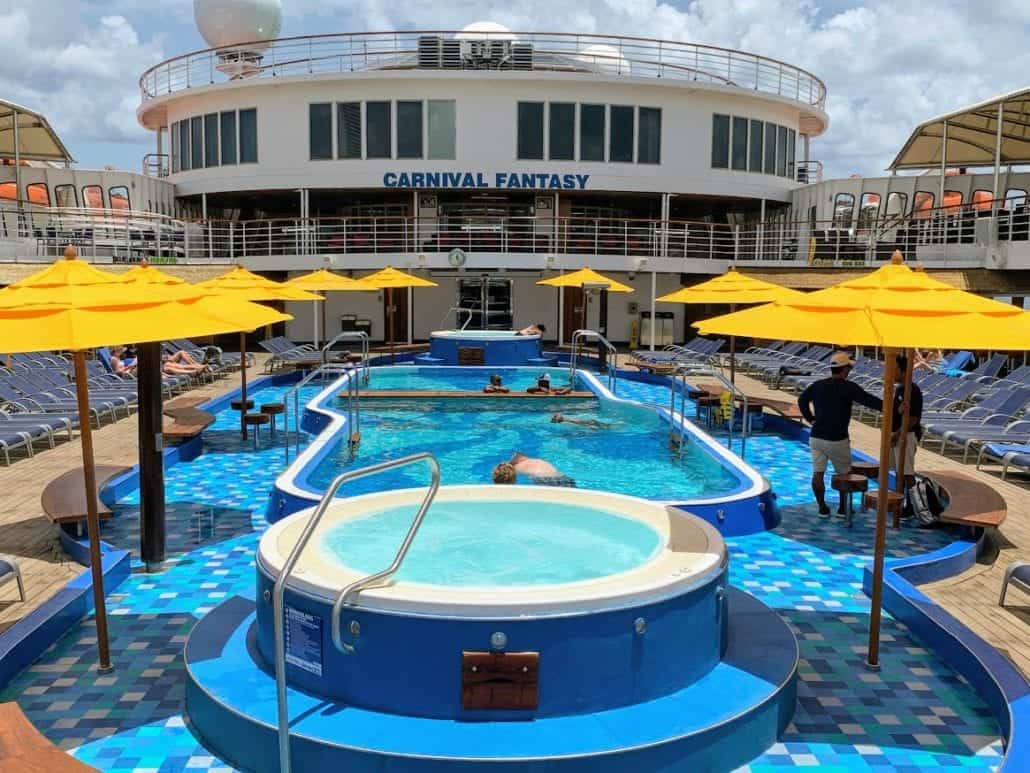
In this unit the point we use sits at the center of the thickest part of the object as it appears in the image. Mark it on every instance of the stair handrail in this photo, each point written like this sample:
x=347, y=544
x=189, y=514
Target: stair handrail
x=279, y=589
x=294, y=392
x=447, y=313
x=613, y=370
x=350, y=335
x=681, y=372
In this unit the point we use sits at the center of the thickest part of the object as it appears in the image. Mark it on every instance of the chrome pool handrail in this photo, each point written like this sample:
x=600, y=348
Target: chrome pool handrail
x=279, y=590
x=322, y=370
x=468, y=319
x=680, y=374
x=350, y=335
x=613, y=369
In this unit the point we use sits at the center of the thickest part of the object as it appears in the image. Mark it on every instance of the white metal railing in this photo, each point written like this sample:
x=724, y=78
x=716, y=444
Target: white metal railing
x=279, y=589
x=322, y=372
x=350, y=335
x=606, y=55
x=690, y=370
x=612, y=367
x=457, y=319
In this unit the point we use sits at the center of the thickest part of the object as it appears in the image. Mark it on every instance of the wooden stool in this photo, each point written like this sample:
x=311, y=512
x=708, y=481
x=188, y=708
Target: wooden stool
x=847, y=485
x=237, y=405
x=895, y=503
x=255, y=420
x=870, y=470
x=273, y=410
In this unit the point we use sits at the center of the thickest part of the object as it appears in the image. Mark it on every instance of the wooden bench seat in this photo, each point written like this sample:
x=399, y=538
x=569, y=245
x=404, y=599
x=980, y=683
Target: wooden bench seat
x=970, y=501
x=64, y=498
x=26, y=750
x=464, y=395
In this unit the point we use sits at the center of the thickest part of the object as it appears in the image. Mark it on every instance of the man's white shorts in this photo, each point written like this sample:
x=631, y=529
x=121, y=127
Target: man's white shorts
x=910, y=455
x=836, y=451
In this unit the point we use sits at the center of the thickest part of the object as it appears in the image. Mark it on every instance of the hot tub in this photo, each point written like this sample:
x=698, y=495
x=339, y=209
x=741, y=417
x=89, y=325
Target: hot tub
x=622, y=598
x=482, y=347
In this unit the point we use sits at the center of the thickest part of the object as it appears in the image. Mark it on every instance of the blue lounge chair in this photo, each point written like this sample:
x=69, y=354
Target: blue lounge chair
x=1017, y=432
x=1018, y=574
x=10, y=571
x=1008, y=454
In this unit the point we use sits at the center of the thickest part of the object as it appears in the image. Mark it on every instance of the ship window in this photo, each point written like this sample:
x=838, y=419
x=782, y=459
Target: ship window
x=228, y=127
x=755, y=158
x=781, y=151
x=982, y=200
x=720, y=141
x=562, y=131
x=649, y=138
x=320, y=130
x=591, y=132
x=530, y=130
x=739, y=159
x=409, y=130
x=922, y=204
x=621, y=139
x=65, y=196
x=211, y=139
x=248, y=136
x=442, y=129
x=769, y=165
x=348, y=130
x=868, y=209
x=378, y=137
x=952, y=202
x=843, y=206
x=37, y=193
x=174, y=140
x=1015, y=198
x=119, y=196
x=792, y=143
x=184, y=145
x=9, y=191
x=897, y=203
x=93, y=195
x=197, y=142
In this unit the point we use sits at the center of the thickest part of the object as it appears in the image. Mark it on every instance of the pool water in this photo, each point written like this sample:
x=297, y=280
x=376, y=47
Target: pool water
x=460, y=379
x=517, y=542
x=628, y=454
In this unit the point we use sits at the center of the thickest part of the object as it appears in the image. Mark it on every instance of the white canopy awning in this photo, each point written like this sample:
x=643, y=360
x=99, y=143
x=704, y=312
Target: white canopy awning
x=37, y=140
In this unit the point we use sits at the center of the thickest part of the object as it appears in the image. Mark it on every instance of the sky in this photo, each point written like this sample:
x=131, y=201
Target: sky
x=887, y=64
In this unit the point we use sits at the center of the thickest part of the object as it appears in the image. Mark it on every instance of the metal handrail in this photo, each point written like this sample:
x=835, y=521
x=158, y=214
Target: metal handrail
x=613, y=370
x=322, y=370
x=680, y=374
x=447, y=313
x=279, y=590
x=351, y=335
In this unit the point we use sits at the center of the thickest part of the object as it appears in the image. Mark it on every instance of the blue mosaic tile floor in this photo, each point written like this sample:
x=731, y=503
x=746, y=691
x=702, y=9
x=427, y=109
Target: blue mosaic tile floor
x=915, y=715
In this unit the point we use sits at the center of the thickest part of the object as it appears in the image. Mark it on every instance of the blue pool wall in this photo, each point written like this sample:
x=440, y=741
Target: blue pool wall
x=514, y=350
x=589, y=661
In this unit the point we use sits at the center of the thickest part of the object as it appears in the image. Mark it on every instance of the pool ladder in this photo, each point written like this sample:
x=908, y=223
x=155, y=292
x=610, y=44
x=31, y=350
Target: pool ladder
x=679, y=377
x=350, y=335
x=344, y=597
x=322, y=372
x=613, y=370
x=457, y=310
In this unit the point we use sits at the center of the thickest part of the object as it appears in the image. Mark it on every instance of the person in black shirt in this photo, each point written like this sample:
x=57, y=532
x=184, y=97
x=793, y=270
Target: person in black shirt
x=826, y=405
x=915, y=427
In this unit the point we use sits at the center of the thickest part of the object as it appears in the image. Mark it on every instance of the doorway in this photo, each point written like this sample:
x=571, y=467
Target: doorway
x=573, y=312
x=398, y=331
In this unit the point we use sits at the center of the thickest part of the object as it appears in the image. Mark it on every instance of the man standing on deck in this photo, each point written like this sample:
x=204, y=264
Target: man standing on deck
x=915, y=427
x=832, y=399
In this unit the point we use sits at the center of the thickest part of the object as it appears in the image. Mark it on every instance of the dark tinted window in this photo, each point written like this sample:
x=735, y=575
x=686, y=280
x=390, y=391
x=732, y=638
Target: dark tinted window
x=197, y=142
x=530, y=130
x=348, y=130
x=409, y=130
x=649, y=136
x=740, y=143
x=184, y=145
x=781, y=151
x=320, y=130
x=379, y=140
x=755, y=160
x=175, y=146
x=248, y=136
x=591, y=132
x=769, y=162
x=621, y=144
x=562, y=132
x=720, y=141
x=211, y=139
x=792, y=142
x=229, y=137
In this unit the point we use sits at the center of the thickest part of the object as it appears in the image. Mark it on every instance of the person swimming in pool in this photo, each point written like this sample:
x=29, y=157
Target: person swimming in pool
x=538, y=471
x=495, y=386
x=543, y=387
x=558, y=418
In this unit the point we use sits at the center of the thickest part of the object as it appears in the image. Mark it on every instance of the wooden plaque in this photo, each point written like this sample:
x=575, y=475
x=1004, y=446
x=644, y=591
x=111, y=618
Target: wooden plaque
x=500, y=680
x=470, y=355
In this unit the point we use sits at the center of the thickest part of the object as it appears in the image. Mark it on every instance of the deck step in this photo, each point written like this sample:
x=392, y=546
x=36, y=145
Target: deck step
x=718, y=723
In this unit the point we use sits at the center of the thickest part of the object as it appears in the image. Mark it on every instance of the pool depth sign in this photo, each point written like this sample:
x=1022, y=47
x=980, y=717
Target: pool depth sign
x=532, y=180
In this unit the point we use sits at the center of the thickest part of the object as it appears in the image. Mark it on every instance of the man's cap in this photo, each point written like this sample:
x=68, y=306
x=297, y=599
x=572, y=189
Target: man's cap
x=841, y=360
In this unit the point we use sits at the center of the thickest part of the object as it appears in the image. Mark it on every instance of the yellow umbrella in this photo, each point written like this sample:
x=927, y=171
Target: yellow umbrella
x=731, y=288
x=324, y=281
x=72, y=305
x=897, y=309
x=586, y=278
x=388, y=279
x=241, y=284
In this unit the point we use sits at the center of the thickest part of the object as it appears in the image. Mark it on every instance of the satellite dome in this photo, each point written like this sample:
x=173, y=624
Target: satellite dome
x=485, y=30
x=604, y=59
x=227, y=23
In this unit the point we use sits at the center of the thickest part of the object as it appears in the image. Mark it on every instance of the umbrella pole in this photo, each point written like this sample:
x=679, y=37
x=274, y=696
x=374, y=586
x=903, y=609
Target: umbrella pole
x=389, y=318
x=151, y=463
x=243, y=384
x=883, y=484
x=733, y=351
x=325, y=335
x=89, y=475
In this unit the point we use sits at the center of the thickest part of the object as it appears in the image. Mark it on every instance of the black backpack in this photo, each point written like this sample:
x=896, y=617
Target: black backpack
x=925, y=500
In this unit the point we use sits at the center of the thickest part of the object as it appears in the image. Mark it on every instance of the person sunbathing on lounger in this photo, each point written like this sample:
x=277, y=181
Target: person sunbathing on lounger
x=495, y=386
x=181, y=364
x=121, y=364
